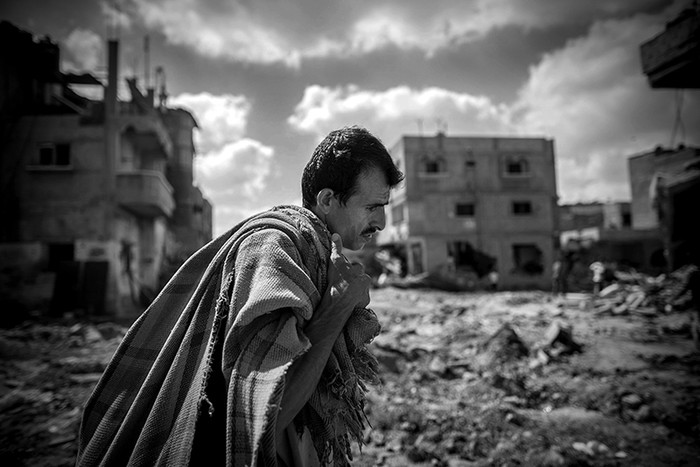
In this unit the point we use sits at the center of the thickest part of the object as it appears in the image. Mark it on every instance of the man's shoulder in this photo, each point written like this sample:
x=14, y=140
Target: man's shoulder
x=306, y=231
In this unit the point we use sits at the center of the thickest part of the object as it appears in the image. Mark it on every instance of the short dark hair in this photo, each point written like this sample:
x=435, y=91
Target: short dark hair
x=340, y=159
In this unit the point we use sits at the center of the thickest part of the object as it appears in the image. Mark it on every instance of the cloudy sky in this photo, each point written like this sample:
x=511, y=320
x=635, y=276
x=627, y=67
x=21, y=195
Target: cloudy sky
x=267, y=79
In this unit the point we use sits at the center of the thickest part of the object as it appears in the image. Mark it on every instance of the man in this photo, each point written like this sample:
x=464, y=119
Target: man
x=556, y=277
x=598, y=270
x=255, y=352
x=493, y=279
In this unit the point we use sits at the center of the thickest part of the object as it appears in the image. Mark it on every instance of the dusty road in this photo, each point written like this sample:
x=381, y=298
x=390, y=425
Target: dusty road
x=499, y=379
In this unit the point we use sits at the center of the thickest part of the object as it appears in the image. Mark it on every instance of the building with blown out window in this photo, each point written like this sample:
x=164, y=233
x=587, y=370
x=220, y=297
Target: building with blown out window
x=473, y=205
x=98, y=203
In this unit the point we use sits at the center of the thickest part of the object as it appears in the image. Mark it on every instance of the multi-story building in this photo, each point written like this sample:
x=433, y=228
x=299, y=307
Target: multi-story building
x=644, y=171
x=98, y=203
x=476, y=204
x=665, y=185
x=603, y=232
x=671, y=59
x=666, y=182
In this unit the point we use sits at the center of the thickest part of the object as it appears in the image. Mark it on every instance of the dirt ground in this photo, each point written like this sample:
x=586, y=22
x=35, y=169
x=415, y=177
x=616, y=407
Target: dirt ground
x=468, y=379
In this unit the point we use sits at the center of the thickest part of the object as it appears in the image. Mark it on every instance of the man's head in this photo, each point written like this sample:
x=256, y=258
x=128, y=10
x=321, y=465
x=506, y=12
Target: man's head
x=347, y=184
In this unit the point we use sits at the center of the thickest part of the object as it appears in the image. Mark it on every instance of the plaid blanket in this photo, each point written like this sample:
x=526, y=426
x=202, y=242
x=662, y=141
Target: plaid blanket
x=203, y=368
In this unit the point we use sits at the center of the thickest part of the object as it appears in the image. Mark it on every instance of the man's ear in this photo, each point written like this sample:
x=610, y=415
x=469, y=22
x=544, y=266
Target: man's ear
x=325, y=199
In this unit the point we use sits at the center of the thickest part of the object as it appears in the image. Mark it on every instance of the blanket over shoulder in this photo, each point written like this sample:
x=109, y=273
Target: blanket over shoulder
x=203, y=368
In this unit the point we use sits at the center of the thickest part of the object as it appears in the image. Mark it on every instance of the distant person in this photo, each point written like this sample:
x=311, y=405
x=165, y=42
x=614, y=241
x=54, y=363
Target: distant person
x=255, y=351
x=451, y=268
x=568, y=258
x=598, y=271
x=556, y=277
x=493, y=280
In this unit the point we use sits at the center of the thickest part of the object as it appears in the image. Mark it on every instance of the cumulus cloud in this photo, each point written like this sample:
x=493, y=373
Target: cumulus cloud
x=287, y=32
x=396, y=111
x=236, y=169
x=231, y=169
x=590, y=96
x=115, y=15
x=221, y=118
x=84, y=51
x=233, y=177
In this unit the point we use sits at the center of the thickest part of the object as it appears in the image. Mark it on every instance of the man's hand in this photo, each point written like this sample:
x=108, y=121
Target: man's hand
x=348, y=288
x=348, y=284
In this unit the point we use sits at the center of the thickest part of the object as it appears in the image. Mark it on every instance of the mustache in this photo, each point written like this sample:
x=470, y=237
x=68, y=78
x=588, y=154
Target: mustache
x=369, y=231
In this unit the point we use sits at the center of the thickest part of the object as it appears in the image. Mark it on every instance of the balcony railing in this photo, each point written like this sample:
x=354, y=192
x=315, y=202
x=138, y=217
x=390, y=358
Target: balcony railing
x=145, y=193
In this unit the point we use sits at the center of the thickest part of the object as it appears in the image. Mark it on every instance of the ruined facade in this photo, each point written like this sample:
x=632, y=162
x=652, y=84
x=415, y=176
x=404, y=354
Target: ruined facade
x=645, y=171
x=666, y=182
x=473, y=205
x=671, y=59
x=603, y=232
x=98, y=203
x=665, y=190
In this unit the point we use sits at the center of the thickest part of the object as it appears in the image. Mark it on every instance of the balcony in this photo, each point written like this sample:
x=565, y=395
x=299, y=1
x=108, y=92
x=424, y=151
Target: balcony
x=147, y=133
x=145, y=193
x=672, y=58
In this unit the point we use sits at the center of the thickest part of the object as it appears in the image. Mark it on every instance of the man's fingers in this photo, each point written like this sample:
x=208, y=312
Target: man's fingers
x=337, y=242
x=337, y=256
x=348, y=280
x=344, y=266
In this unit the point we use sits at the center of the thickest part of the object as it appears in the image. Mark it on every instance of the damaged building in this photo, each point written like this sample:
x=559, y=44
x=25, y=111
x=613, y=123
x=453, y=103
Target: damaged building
x=659, y=225
x=603, y=230
x=472, y=205
x=665, y=186
x=98, y=201
x=666, y=181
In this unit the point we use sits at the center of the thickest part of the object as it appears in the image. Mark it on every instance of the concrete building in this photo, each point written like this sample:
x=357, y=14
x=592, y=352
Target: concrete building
x=650, y=233
x=677, y=198
x=645, y=170
x=98, y=203
x=662, y=182
x=588, y=222
x=603, y=232
x=666, y=182
x=474, y=204
x=665, y=188
x=671, y=59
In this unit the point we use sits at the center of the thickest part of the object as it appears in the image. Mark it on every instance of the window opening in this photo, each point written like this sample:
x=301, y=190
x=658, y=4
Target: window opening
x=517, y=166
x=521, y=208
x=468, y=259
x=464, y=209
x=527, y=259
x=54, y=155
x=434, y=166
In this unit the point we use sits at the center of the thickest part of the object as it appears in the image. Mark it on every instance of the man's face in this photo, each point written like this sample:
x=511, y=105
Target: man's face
x=363, y=214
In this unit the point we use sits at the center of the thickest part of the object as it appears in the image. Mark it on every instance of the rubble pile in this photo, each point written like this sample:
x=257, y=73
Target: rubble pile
x=467, y=379
x=504, y=379
x=47, y=372
x=636, y=292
